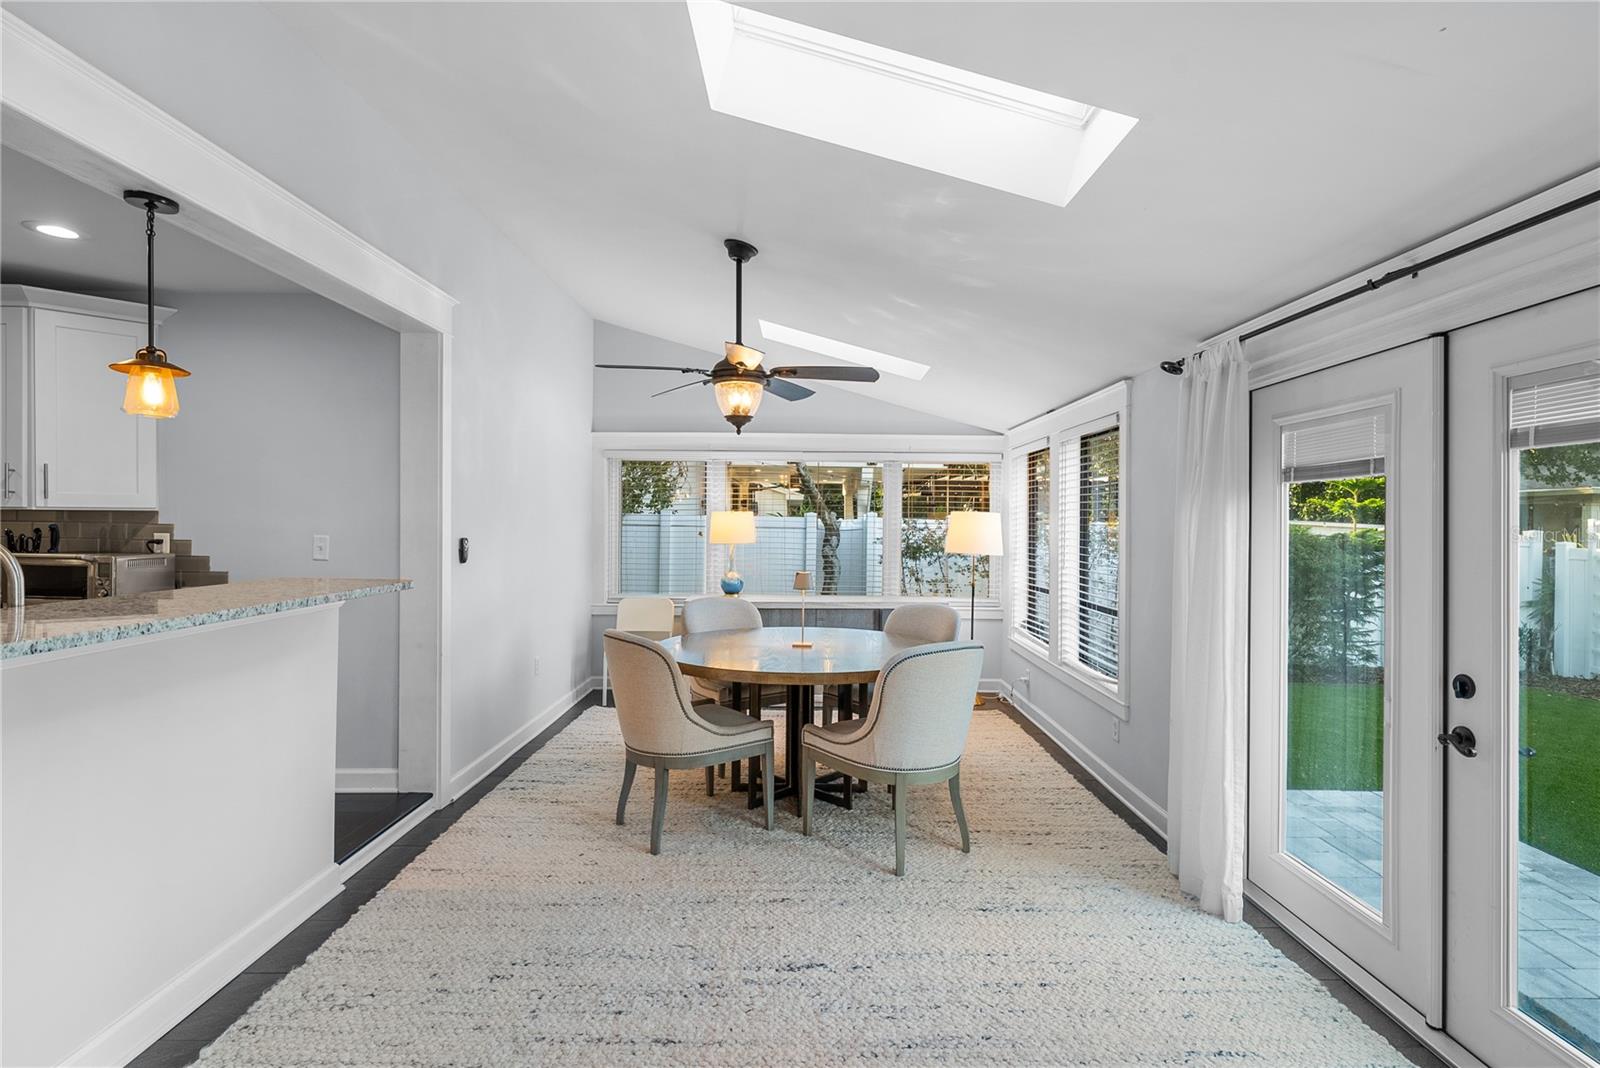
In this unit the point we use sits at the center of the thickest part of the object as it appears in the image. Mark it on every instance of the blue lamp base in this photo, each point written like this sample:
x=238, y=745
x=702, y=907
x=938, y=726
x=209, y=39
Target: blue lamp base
x=732, y=584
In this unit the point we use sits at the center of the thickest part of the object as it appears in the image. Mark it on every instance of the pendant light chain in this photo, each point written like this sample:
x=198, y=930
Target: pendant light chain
x=150, y=274
x=738, y=302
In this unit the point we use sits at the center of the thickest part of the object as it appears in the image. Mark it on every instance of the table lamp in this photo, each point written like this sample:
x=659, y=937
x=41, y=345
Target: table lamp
x=802, y=582
x=973, y=534
x=730, y=529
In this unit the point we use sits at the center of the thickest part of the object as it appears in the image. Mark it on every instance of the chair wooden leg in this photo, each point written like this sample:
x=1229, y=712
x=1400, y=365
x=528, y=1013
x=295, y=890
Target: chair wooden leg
x=901, y=804
x=808, y=789
x=767, y=784
x=722, y=771
x=659, y=813
x=737, y=780
x=711, y=781
x=961, y=813
x=627, y=785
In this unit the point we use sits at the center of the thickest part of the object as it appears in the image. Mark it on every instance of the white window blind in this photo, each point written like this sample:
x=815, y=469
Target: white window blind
x=658, y=527
x=929, y=492
x=1097, y=471
x=1563, y=411
x=1031, y=534
x=822, y=518
x=1349, y=445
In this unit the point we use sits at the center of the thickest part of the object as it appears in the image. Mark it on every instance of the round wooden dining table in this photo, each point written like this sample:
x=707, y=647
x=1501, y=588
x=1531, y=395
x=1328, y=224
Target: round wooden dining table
x=767, y=656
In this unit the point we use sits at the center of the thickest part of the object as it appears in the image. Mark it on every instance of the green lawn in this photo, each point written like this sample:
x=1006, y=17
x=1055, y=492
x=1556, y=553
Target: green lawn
x=1336, y=733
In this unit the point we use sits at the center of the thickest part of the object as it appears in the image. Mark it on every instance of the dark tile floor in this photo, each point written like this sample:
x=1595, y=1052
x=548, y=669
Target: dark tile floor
x=358, y=818
x=182, y=1044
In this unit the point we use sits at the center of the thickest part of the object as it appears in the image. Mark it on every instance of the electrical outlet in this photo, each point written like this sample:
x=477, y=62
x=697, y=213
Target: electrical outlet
x=538, y=666
x=320, y=546
x=1116, y=730
x=1022, y=680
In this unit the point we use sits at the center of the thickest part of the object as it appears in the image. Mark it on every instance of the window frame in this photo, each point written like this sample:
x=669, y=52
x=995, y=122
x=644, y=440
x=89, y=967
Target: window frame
x=718, y=460
x=1064, y=430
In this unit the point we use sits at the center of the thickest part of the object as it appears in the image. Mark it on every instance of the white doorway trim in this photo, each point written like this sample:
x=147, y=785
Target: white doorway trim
x=68, y=114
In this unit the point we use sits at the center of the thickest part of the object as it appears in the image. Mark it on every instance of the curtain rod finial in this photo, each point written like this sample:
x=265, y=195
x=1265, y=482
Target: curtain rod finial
x=1172, y=367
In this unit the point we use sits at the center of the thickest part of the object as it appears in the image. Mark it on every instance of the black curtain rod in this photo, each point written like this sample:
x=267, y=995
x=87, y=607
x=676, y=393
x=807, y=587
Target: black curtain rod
x=1175, y=367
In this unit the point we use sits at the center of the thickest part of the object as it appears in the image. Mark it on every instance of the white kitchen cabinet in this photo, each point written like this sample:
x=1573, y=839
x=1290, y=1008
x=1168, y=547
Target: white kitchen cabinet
x=67, y=441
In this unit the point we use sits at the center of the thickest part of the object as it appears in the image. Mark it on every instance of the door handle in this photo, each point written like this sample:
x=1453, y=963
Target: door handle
x=9, y=492
x=1462, y=740
x=47, y=481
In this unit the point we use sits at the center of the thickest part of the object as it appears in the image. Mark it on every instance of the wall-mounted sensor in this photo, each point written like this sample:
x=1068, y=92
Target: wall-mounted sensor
x=462, y=552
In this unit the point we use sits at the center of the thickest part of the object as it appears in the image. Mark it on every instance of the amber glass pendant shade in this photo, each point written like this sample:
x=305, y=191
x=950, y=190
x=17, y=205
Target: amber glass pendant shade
x=152, y=386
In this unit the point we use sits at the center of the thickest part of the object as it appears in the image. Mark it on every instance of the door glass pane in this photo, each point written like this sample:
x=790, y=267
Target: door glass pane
x=1334, y=747
x=1558, y=739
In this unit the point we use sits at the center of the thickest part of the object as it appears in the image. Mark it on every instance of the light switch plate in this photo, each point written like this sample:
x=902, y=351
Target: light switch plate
x=319, y=546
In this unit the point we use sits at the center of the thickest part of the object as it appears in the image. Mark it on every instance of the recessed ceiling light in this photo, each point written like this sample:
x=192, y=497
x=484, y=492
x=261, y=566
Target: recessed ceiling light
x=843, y=350
x=901, y=107
x=50, y=229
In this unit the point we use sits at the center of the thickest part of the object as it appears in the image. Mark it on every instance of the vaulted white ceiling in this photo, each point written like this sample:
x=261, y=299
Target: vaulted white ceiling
x=1279, y=147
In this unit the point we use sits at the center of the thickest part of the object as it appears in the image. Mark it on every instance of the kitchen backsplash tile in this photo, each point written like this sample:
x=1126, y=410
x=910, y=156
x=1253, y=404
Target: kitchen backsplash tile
x=92, y=531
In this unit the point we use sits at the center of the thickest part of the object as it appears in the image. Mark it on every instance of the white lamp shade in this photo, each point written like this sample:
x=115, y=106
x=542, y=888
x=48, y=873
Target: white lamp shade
x=732, y=528
x=973, y=534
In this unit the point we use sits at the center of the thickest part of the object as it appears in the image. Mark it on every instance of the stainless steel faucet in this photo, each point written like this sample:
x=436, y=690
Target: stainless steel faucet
x=12, y=586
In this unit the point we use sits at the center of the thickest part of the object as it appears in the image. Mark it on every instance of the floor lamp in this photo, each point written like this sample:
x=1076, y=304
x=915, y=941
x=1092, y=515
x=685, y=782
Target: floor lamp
x=973, y=534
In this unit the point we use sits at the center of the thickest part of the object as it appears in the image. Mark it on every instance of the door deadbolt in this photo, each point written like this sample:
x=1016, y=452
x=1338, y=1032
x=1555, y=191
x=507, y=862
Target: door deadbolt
x=1463, y=687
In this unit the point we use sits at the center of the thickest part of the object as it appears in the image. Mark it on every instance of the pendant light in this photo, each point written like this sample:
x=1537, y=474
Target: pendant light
x=737, y=383
x=152, y=381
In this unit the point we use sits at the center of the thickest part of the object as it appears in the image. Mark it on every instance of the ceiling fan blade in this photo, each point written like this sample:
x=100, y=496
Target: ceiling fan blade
x=829, y=374
x=789, y=391
x=686, y=385
x=652, y=367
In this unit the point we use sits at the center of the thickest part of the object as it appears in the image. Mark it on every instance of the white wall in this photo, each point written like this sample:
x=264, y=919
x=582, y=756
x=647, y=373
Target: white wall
x=623, y=401
x=522, y=373
x=1130, y=757
x=291, y=427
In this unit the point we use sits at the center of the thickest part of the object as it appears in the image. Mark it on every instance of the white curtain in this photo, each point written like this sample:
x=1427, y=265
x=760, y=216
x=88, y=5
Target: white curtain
x=1206, y=769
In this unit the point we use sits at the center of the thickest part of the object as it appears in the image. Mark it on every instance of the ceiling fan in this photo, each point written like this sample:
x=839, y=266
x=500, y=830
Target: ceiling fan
x=738, y=379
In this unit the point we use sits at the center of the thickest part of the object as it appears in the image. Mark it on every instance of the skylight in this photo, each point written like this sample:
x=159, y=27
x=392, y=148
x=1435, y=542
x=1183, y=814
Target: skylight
x=900, y=107
x=843, y=350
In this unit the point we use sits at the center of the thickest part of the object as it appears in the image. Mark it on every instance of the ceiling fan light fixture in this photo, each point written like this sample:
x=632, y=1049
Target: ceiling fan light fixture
x=742, y=355
x=739, y=399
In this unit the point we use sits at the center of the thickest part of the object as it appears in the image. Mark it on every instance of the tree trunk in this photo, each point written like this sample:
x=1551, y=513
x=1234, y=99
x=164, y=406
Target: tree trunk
x=830, y=528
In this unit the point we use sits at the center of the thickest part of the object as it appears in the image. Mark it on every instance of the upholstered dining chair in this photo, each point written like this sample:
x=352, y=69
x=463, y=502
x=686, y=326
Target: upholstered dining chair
x=923, y=622
x=653, y=614
x=664, y=729
x=717, y=612
x=914, y=732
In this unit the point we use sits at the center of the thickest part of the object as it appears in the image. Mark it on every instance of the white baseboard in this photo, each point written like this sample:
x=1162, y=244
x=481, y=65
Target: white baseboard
x=369, y=852
x=1153, y=815
x=131, y=1033
x=994, y=686
x=366, y=780
x=473, y=773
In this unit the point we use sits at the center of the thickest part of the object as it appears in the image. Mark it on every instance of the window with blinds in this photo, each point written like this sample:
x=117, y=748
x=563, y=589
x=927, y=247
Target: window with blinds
x=658, y=521
x=1034, y=572
x=1097, y=469
x=1558, y=409
x=1348, y=445
x=929, y=492
x=822, y=518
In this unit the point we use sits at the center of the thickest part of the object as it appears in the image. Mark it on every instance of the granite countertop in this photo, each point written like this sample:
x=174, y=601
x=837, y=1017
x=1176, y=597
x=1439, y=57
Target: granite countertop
x=46, y=628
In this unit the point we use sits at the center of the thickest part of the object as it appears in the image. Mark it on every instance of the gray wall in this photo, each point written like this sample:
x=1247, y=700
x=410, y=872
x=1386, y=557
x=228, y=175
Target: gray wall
x=623, y=401
x=1139, y=756
x=291, y=427
x=522, y=350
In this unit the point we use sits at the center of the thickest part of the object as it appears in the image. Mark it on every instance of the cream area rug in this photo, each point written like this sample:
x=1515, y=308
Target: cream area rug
x=537, y=932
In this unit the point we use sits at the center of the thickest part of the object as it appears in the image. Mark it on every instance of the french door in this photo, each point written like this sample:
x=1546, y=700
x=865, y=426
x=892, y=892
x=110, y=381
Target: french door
x=1523, y=908
x=1345, y=659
